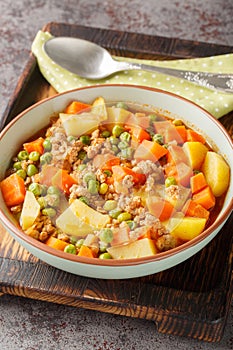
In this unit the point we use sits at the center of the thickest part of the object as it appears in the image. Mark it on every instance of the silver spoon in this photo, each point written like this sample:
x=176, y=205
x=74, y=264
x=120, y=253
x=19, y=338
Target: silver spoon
x=91, y=61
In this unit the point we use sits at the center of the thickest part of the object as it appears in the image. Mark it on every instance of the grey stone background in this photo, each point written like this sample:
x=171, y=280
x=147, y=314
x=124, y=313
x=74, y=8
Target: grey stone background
x=33, y=325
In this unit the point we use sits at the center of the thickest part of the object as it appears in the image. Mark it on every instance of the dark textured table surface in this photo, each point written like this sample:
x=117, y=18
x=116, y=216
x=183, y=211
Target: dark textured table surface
x=28, y=324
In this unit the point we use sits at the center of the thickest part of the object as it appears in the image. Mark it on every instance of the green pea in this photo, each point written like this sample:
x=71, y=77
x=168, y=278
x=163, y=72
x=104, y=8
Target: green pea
x=127, y=153
x=45, y=158
x=22, y=173
x=81, y=167
x=105, y=133
x=158, y=138
x=125, y=136
x=73, y=240
x=114, y=213
x=42, y=202
x=110, y=205
x=84, y=200
x=17, y=165
x=117, y=130
x=105, y=256
x=32, y=170
x=89, y=176
x=106, y=235
x=82, y=154
x=153, y=117
x=108, y=172
x=70, y=249
x=103, y=188
x=71, y=138
x=115, y=149
x=53, y=200
x=113, y=140
x=122, y=105
x=80, y=242
x=51, y=212
x=22, y=155
x=177, y=122
x=132, y=224
x=34, y=156
x=43, y=190
x=123, y=145
x=47, y=144
x=103, y=246
x=53, y=190
x=93, y=186
x=124, y=216
x=170, y=180
x=85, y=139
x=35, y=188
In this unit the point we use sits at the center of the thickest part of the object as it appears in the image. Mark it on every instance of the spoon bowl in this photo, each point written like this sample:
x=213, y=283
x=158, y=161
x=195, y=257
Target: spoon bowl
x=91, y=61
x=82, y=57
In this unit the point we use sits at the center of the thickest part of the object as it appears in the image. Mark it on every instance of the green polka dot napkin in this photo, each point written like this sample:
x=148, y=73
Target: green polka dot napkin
x=217, y=103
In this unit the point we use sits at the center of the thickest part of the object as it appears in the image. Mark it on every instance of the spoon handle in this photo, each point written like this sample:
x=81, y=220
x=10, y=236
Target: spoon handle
x=221, y=82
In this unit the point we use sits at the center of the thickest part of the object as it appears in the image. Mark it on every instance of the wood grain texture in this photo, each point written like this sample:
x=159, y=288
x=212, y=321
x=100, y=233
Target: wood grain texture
x=191, y=299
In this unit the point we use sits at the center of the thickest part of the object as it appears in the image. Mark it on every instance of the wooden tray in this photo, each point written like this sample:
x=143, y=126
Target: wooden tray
x=191, y=299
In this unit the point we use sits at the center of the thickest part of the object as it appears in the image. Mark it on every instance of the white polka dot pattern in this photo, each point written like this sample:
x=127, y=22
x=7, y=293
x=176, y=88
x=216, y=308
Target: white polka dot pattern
x=215, y=102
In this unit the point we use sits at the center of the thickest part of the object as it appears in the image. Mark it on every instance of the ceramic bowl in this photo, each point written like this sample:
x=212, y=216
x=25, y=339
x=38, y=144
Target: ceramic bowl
x=37, y=116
